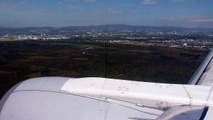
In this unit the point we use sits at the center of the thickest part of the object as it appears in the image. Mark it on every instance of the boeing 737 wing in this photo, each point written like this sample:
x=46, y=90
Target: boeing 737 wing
x=58, y=98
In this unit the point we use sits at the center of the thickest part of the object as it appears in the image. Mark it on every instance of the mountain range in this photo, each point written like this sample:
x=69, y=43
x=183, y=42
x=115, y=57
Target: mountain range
x=104, y=28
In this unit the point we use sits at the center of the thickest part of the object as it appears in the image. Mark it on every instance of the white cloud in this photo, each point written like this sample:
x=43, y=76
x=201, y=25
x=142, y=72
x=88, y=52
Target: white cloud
x=203, y=20
x=77, y=0
x=169, y=19
x=108, y=11
x=149, y=2
x=90, y=0
x=187, y=21
x=177, y=0
x=114, y=12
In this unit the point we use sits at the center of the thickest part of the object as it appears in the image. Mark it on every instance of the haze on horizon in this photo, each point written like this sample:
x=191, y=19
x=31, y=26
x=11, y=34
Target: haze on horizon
x=58, y=13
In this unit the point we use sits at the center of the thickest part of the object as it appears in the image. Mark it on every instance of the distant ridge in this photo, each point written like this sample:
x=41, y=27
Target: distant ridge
x=106, y=28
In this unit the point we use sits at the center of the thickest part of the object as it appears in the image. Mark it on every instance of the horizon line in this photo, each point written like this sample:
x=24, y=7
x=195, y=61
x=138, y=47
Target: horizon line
x=107, y=25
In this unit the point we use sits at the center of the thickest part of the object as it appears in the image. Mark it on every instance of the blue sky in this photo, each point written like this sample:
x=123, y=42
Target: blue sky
x=57, y=13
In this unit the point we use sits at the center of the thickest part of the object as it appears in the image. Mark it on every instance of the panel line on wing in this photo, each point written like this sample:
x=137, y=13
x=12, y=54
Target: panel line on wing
x=209, y=95
x=188, y=94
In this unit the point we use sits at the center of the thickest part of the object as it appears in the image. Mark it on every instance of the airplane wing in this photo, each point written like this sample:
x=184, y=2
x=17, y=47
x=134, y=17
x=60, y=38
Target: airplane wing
x=57, y=98
x=43, y=99
x=204, y=74
x=61, y=98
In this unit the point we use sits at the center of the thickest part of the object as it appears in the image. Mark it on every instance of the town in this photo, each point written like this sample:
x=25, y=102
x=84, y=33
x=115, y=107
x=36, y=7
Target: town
x=176, y=39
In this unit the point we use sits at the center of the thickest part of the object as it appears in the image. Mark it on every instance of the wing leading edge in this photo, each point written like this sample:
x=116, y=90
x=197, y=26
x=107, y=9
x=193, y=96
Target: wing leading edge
x=203, y=75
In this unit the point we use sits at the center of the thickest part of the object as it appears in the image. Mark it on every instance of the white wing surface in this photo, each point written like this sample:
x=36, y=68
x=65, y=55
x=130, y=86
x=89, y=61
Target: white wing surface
x=55, y=98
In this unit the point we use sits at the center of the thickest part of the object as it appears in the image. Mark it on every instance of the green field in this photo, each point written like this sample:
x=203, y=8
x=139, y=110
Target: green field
x=20, y=60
